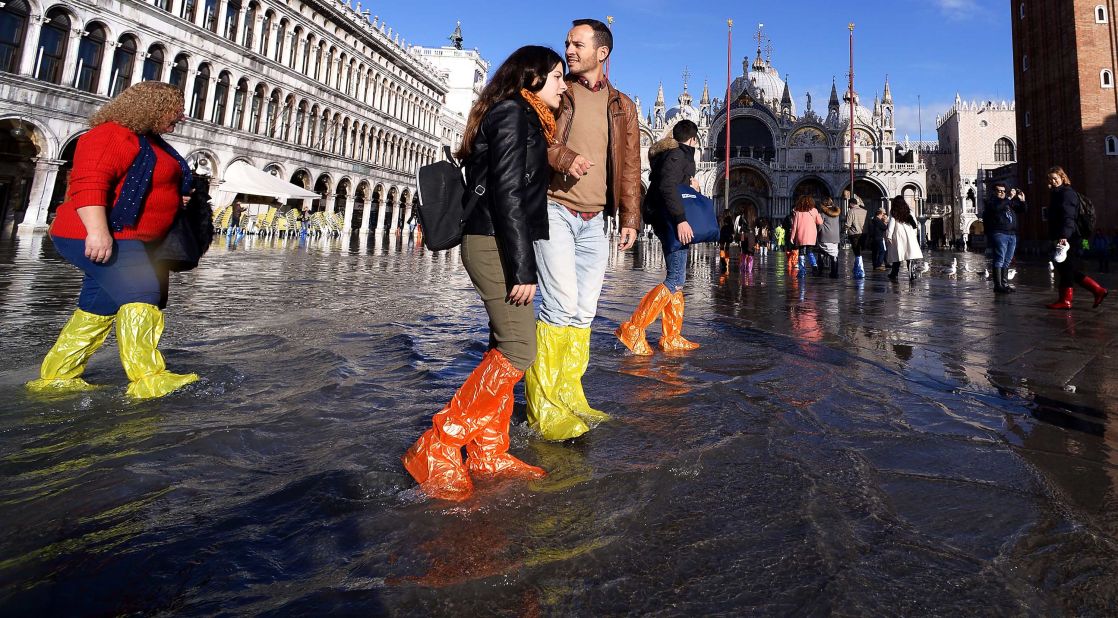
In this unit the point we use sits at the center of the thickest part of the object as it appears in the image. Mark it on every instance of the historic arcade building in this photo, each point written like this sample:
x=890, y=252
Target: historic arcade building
x=312, y=91
x=778, y=154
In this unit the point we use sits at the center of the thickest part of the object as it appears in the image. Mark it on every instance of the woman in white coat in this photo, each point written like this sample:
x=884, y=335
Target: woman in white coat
x=901, y=239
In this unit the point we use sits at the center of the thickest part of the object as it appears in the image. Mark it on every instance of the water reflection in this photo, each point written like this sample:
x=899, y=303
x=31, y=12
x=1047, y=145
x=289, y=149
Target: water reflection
x=836, y=446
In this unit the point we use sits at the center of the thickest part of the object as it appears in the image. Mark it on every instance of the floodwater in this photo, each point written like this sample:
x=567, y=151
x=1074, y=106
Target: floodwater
x=836, y=447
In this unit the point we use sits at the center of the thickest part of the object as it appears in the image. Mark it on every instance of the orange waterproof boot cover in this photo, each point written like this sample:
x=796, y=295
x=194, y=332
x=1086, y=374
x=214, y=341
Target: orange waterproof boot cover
x=435, y=460
x=631, y=332
x=487, y=455
x=672, y=325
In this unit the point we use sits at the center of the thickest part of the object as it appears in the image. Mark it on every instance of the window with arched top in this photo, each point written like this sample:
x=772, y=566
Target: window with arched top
x=53, y=40
x=13, y=27
x=153, y=64
x=91, y=50
x=1100, y=14
x=124, y=63
x=1106, y=78
x=189, y=8
x=209, y=15
x=808, y=158
x=232, y=12
x=221, y=98
x=1004, y=151
x=200, y=93
x=239, y=99
x=1025, y=62
x=1021, y=10
x=1111, y=145
x=178, y=72
x=250, y=25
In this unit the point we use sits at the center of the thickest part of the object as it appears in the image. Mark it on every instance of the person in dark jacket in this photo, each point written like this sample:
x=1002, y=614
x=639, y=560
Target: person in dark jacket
x=877, y=227
x=999, y=219
x=673, y=164
x=505, y=151
x=1063, y=229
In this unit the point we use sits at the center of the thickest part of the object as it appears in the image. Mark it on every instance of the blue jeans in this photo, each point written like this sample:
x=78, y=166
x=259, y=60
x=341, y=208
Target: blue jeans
x=128, y=277
x=1004, y=246
x=677, y=268
x=571, y=266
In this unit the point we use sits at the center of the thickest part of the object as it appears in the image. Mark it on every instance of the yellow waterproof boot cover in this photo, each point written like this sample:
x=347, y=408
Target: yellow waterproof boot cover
x=575, y=362
x=139, y=327
x=631, y=332
x=672, y=324
x=64, y=364
x=547, y=413
x=435, y=460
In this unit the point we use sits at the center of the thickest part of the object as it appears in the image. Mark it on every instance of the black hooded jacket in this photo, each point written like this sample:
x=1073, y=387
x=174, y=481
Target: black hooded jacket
x=509, y=159
x=1063, y=213
x=672, y=164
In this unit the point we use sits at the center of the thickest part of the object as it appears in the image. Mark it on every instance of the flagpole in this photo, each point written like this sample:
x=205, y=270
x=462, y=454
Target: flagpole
x=851, y=91
x=729, y=46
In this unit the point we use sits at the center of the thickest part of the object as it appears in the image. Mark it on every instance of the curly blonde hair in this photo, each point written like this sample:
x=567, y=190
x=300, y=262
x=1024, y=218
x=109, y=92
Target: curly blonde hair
x=142, y=107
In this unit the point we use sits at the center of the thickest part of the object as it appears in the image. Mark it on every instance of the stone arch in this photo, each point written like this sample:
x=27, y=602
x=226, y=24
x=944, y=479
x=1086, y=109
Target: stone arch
x=203, y=161
x=815, y=186
x=871, y=192
x=276, y=169
x=40, y=135
x=244, y=158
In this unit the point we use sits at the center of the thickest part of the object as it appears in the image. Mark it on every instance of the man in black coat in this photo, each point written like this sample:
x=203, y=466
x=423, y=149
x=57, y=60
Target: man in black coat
x=673, y=164
x=999, y=219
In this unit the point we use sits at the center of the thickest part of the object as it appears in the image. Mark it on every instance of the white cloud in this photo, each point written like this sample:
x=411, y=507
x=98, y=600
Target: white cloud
x=958, y=9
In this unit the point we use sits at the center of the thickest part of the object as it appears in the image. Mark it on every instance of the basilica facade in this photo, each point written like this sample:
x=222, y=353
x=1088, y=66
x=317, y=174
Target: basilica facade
x=320, y=94
x=778, y=153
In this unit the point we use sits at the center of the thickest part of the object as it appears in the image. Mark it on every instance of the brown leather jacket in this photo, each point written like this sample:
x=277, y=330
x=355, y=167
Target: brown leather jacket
x=623, y=169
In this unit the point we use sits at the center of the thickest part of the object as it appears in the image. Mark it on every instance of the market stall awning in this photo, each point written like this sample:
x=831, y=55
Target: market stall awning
x=244, y=178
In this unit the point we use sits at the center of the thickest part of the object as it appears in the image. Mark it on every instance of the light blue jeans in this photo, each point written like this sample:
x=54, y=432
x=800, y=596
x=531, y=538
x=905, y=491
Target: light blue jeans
x=676, y=262
x=571, y=266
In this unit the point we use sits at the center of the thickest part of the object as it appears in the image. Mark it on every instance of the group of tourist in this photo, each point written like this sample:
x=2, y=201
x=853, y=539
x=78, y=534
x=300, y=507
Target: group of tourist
x=557, y=149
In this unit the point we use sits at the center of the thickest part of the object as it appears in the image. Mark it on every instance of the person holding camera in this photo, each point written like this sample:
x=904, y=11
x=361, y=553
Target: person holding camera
x=999, y=218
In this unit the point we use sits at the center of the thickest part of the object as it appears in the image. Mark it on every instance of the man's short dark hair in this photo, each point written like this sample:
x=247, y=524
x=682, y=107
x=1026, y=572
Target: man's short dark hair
x=684, y=130
x=1000, y=184
x=602, y=35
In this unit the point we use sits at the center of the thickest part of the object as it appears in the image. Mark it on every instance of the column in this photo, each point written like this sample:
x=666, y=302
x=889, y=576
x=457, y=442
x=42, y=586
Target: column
x=103, y=85
x=42, y=190
x=31, y=45
x=176, y=7
x=347, y=218
x=200, y=13
x=222, y=12
x=380, y=222
x=363, y=225
x=72, y=57
x=273, y=31
x=407, y=212
x=211, y=102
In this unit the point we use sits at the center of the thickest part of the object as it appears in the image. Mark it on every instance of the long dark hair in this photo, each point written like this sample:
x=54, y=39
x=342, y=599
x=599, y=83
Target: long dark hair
x=901, y=212
x=525, y=68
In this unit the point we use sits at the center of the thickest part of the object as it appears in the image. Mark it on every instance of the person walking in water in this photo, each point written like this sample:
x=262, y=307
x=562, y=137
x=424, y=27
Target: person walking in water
x=900, y=236
x=596, y=161
x=505, y=150
x=805, y=232
x=1063, y=230
x=125, y=189
x=673, y=164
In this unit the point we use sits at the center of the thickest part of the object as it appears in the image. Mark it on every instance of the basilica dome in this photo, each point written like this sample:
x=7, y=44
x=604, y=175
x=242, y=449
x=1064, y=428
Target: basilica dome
x=762, y=82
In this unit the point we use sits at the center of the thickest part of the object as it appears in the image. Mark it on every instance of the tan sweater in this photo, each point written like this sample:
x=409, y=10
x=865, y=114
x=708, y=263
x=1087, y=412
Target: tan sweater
x=589, y=137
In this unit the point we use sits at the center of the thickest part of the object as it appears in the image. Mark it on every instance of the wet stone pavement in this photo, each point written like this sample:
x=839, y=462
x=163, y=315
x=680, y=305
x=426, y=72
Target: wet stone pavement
x=836, y=447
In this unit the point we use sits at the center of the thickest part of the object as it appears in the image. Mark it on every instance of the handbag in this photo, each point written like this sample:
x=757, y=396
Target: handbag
x=191, y=233
x=699, y=211
x=444, y=203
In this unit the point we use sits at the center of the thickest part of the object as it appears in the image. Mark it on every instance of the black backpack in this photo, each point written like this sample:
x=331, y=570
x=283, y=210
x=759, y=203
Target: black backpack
x=1085, y=216
x=444, y=202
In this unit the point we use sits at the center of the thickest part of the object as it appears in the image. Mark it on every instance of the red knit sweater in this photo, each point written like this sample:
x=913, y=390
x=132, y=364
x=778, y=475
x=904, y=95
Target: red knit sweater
x=101, y=161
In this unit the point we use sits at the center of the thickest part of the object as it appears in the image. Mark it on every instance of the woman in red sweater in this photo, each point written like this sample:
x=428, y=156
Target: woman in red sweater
x=125, y=188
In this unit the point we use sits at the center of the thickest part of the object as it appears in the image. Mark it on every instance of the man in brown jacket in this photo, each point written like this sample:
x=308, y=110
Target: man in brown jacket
x=596, y=172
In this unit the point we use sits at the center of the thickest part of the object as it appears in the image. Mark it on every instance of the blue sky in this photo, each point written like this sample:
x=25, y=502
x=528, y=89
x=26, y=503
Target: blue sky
x=929, y=48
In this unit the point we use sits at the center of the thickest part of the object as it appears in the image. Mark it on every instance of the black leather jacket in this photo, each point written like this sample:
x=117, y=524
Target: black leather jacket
x=509, y=159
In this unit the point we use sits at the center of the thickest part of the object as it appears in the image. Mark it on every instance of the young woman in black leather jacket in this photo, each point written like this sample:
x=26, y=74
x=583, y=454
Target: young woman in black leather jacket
x=505, y=151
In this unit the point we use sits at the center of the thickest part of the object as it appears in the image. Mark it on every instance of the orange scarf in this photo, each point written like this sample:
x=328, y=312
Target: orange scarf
x=547, y=118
